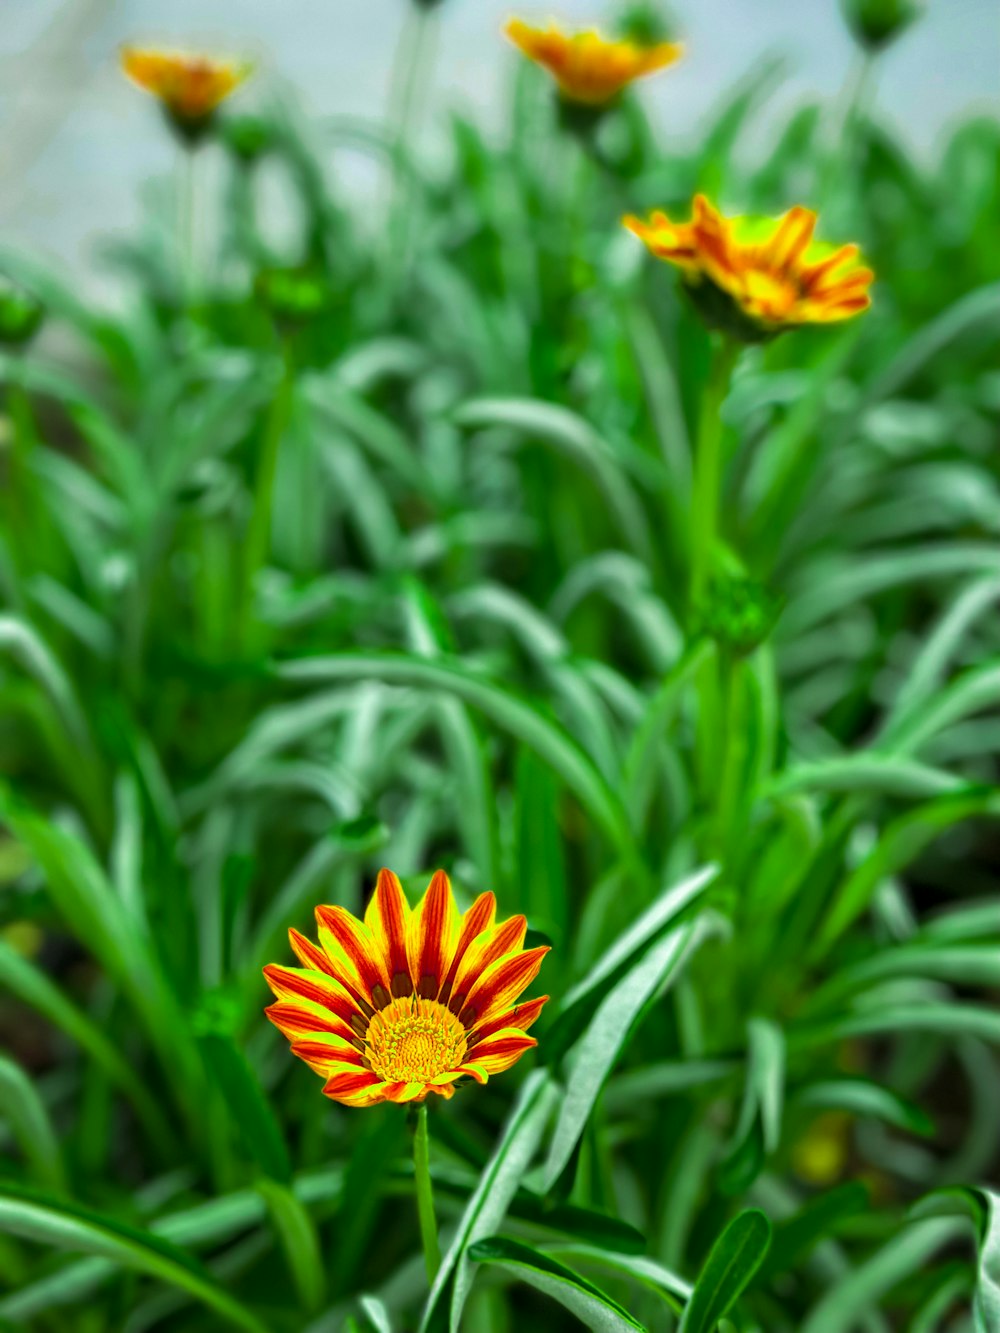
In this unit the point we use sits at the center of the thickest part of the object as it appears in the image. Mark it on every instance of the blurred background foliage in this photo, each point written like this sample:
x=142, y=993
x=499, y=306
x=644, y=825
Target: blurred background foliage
x=359, y=536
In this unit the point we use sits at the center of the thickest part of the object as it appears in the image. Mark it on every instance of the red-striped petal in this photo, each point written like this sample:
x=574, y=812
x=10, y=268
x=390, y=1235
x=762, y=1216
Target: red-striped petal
x=345, y=939
x=478, y=918
x=386, y=918
x=498, y=988
x=431, y=929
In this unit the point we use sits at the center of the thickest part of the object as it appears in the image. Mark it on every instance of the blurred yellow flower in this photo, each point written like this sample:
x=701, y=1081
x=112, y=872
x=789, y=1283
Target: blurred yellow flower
x=190, y=86
x=406, y=1003
x=588, y=68
x=756, y=277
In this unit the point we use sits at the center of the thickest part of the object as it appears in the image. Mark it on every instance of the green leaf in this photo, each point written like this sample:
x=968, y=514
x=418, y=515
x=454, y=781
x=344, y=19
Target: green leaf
x=497, y=1186
x=728, y=1270
x=983, y=1206
x=818, y=1219
x=32, y=987
x=861, y=1290
x=28, y=1118
x=862, y=1097
x=572, y=436
x=590, y=1305
x=248, y=1107
x=602, y=1043
x=66, y=1226
x=299, y=1240
x=758, y=1130
x=581, y=1000
x=520, y=719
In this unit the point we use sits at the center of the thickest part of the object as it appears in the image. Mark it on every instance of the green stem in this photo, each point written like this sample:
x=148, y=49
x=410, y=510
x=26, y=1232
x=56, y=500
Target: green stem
x=258, y=539
x=708, y=467
x=425, y=1196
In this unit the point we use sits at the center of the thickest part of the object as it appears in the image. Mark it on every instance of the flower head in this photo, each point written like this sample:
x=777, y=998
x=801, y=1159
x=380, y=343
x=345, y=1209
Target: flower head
x=190, y=86
x=587, y=67
x=757, y=277
x=407, y=1002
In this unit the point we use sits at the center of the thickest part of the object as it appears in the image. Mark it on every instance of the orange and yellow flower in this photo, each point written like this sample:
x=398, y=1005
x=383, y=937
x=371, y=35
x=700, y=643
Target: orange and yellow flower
x=190, y=86
x=407, y=1002
x=587, y=67
x=756, y=277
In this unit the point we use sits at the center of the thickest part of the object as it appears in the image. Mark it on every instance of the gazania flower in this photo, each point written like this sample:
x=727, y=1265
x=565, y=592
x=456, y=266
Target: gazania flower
x=407, y=1002
x=756, y=277
x=588, y=68
x=190, y=86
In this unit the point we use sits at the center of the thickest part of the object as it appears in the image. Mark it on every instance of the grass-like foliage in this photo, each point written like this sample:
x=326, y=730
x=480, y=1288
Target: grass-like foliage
x=360, y=532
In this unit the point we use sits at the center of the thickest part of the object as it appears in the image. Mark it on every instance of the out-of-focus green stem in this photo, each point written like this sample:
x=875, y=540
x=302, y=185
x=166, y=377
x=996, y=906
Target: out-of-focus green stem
x=258, y=539
x=425, y=1196
x=708, y=467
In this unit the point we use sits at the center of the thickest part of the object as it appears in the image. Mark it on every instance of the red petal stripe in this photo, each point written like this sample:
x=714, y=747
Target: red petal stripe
x=432, y=937
x=386, y=918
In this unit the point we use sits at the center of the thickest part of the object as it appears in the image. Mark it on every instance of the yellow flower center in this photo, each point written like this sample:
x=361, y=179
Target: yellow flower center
x=413, y=1040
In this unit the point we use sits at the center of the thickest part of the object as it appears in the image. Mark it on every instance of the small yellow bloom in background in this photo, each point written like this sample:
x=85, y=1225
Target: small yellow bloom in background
x=407, y=1002
x=190, y=86
x=588, y=68
x=756, y=277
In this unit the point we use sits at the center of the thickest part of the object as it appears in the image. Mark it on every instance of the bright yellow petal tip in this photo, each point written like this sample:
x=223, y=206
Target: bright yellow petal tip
x=407, y=1002
x=589, y=68
x=756, y=277
x=190, y=85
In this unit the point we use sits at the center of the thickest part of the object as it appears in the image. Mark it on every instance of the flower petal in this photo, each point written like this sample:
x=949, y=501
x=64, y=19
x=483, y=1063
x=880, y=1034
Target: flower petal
x=490, y=946
x=347, y=941
x=328, y=1056
x=478, y=918
x=354, y=1089
x=502, y=1050
x=521, y=1016
x=316, y=988
x=498, y=988
x=432, y=926
x=386, y=918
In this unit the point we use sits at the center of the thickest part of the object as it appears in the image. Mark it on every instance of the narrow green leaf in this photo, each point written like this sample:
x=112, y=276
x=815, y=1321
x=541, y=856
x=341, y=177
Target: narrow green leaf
x=299, y=1240
x=520, y=719
x=69, y=1227
x=728, y=1270
x=497, y=1186
x=602, y=1043
x=28, y=1118
x=590, y=1305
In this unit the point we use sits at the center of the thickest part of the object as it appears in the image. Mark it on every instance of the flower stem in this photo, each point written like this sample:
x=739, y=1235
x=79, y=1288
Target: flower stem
x=425, y=1196
x=708, y=467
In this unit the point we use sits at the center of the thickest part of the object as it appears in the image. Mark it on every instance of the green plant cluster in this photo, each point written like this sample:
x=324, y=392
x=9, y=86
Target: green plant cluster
x=366, y=540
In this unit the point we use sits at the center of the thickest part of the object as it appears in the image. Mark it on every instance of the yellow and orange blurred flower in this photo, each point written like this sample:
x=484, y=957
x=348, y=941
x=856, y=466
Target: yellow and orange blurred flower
x=407, y=1002
x=587, y=67
x=755, y=277
x=190, y=86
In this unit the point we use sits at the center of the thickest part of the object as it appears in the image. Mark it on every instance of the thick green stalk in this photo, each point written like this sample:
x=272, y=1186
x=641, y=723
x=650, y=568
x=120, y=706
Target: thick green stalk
x=425, y=1196
x=708, y=467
